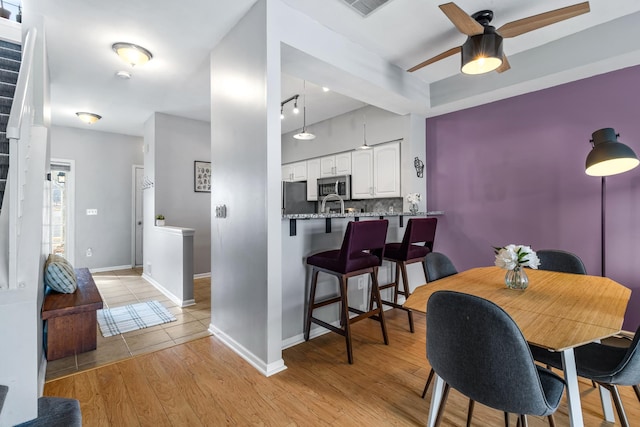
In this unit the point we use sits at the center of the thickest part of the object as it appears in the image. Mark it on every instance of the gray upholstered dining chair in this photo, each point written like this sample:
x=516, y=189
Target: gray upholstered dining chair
x=437, y=266
x=561, y=261
x=477, y=348
x=609, y=366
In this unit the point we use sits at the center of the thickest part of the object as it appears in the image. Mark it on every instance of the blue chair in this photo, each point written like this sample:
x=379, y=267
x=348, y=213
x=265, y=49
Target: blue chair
x=477, y=348
x=437, y=266
x=608, y=366
x=561, y=261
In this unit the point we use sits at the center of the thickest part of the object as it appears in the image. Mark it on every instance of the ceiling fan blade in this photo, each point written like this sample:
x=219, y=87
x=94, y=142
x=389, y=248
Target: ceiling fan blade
x=505, y=65
x=461, y=19
x=436, y=58
x=521, y=26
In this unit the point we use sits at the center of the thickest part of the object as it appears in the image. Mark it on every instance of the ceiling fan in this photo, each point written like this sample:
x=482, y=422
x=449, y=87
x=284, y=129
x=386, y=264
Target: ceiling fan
x=482, y=52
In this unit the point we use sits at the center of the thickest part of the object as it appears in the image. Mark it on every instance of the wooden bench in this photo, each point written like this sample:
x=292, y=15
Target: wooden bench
x=71, y=318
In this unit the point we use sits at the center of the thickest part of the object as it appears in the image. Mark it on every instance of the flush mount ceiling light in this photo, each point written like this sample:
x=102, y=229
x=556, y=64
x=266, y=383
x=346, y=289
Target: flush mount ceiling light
x=124, y=75
x=304, y=135
x=88, y=118
x=132, y=54
x=608, y=156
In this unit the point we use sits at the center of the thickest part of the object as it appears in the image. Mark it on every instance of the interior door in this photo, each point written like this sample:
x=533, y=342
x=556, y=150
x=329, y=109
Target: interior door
x=137, y=216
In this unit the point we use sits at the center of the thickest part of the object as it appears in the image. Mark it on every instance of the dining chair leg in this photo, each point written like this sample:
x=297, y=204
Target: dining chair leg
x=443, y=401
x=522, y=421
x=624, y=422
x=552, y=421
x=405, y=291
x=506, y=419
x=378, y=299
x=345, y=314
x=312, y=297
x=426, y=386
x=470, y=412
x=636, y=388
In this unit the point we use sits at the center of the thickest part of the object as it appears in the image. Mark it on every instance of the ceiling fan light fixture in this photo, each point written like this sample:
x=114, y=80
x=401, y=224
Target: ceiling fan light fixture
x=88, y=118
x=132, y=53
x=482, y=53
x=608, y=156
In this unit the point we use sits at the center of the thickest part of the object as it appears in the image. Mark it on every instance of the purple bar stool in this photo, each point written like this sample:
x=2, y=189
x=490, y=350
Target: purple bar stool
x=419, y=230
x=361, y=253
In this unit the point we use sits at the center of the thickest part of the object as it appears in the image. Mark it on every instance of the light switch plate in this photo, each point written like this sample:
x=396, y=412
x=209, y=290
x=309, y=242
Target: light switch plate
x=92, y=211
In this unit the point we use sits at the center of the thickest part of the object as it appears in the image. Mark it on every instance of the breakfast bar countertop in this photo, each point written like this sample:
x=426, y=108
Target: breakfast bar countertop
x=358, y=214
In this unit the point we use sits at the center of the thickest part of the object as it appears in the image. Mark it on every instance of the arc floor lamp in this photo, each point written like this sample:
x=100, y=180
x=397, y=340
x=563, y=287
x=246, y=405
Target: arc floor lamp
x=607, y=157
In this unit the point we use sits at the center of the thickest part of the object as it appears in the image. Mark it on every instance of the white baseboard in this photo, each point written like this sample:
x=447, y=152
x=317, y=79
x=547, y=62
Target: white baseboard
x=177, y=301
x=201, y=275
x=315, y=332
x=265, y=369
x=117, y=267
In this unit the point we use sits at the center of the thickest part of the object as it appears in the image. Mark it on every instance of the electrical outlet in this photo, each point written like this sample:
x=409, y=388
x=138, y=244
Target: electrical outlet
x=89, y=252
x=92, y=211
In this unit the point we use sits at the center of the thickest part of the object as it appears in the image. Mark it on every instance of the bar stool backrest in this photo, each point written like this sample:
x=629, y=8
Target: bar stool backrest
x=419, y=230
x=362, y=236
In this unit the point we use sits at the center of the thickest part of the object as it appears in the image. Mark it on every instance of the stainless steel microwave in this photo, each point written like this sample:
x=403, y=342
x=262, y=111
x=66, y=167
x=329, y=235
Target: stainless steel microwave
x=340, y=185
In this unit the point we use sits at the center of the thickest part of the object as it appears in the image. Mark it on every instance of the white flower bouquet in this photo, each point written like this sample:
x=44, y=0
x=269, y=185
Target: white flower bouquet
x=512, y=256
x=414, y=198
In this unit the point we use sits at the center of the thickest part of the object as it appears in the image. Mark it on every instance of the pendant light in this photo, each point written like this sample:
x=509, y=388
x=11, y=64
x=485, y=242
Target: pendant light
x=304, y=135
x=364, y=146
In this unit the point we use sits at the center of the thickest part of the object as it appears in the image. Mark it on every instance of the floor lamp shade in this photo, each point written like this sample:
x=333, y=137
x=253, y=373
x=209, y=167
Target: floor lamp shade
x=608, y=156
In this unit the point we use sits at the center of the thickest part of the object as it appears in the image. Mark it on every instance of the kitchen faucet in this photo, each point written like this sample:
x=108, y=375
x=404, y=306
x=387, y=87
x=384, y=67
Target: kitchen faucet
x=334, y=195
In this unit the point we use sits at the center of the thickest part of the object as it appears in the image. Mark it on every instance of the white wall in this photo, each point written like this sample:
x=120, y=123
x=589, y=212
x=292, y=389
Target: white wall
x=102, y=181
x=246, y=296
x=178, y=143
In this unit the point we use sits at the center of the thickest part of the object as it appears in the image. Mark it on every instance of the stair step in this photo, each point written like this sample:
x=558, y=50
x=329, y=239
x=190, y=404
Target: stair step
x=7, y=89
x=5, y=105
x=10, y=45
x=8, y=76
x=16, y=55
x=4, y=119
x=4, y=147
x=9, y=64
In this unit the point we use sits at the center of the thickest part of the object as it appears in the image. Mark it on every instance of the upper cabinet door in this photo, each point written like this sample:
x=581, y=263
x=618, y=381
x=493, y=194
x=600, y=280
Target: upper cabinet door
x=299, y=171
x=287, y=172
x=313, y=173
x=386, y=167
x=362, y=174
x=327, y=166
x=343, y=164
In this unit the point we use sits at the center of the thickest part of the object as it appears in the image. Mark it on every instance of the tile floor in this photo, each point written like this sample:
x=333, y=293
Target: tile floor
x=124, y=287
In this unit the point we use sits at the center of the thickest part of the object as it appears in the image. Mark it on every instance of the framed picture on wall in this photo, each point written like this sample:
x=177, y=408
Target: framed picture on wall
x=202, y=177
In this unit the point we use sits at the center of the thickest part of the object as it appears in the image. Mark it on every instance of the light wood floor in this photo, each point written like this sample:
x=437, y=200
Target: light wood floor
x=203, y=383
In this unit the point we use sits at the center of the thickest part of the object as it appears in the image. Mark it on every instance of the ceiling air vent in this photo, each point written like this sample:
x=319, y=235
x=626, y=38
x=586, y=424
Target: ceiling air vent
x=365, y=7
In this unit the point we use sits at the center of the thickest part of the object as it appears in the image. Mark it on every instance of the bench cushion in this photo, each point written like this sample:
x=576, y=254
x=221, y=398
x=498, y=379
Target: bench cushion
x=59, y=275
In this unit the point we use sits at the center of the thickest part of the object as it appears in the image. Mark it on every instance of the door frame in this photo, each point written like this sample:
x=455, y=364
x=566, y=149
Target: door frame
x=70, y=252
x=133, y=214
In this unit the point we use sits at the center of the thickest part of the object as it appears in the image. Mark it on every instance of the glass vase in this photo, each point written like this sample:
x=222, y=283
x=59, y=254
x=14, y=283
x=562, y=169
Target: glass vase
x=516, y=279
x=413, y=208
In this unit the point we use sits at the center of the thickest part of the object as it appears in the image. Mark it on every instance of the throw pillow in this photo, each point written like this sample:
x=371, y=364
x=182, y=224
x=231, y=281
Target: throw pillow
x=59, y=275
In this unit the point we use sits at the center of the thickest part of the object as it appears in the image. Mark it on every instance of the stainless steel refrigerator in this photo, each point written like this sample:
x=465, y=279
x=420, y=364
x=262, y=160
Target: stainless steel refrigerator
x=294, y=198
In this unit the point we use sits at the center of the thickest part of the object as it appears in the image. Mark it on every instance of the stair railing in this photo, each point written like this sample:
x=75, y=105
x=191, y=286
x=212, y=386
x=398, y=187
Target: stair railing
x=20, y=121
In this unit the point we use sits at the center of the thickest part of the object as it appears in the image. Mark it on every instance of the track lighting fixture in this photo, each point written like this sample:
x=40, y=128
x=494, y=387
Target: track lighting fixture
x=295, y=110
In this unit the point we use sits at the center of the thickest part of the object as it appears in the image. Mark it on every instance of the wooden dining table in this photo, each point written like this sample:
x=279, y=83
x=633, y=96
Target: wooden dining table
x=558, y=311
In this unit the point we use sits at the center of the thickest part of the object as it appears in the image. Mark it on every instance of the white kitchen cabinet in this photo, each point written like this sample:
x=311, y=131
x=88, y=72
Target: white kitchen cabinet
x=294, y=171
x=313, y=173
x=386, y=170
x=362, y=174
x=375, y=173
x=338, y=164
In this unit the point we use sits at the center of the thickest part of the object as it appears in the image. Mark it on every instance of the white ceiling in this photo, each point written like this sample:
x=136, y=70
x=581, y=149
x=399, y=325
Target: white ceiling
x=403, y=32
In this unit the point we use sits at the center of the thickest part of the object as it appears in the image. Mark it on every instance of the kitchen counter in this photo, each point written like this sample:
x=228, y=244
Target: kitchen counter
x=356, y=215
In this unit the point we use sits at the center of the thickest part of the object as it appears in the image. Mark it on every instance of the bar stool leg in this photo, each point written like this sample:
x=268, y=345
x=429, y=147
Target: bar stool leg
x=312, y=298
x=396, y=284
x=376, y=294
x=345, y=316
x=406, y=292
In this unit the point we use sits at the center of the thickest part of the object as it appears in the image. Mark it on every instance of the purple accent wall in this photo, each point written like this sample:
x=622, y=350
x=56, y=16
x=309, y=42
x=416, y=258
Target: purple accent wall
x=512, y=171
